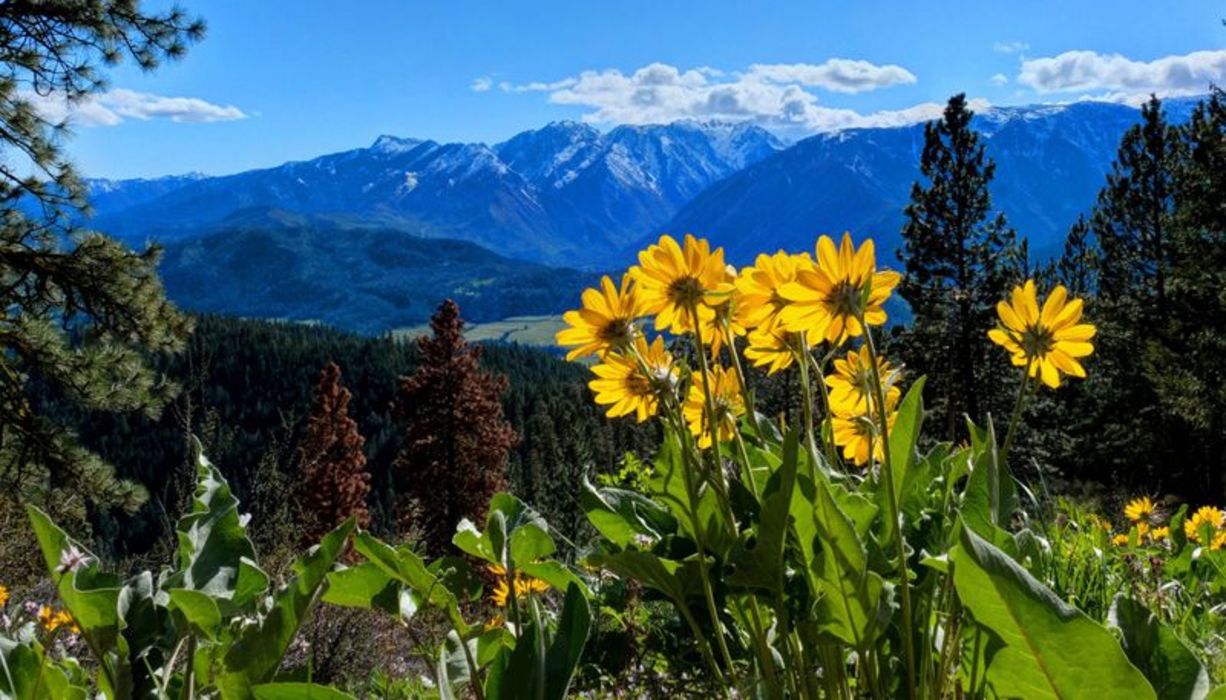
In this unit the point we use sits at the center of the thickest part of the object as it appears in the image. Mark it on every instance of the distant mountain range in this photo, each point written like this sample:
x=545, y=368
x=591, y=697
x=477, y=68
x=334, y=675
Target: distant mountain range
x=572, y=198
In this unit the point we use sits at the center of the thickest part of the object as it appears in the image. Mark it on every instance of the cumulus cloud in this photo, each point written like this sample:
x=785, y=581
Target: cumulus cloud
x=1010, y=46
x=482, y=84
x=837, y=75
x=780, y=96
x=999, y=79
x=1123, y=79
x=115, y=106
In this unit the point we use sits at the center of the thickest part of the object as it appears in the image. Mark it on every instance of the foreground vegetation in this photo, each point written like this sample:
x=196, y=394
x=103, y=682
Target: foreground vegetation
x=834, y=555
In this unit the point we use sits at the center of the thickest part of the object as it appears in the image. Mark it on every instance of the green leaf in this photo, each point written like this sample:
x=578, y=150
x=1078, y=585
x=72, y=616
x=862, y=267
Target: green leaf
x=1172, y=669
x=568, y=641
x=1044, y=648
x=403, y=565
x=370, y=587
x=903, y=438
x=257, y=651
x=298, y=691
x=214, y=551
x=761, y=566
x=620, y=515
x=990, y=497
x=198, y=609
x=852, y=604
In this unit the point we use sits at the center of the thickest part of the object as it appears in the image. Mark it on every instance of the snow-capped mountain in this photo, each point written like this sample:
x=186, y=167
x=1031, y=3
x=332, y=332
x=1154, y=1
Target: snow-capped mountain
x=1051, y=161
x=565, y=193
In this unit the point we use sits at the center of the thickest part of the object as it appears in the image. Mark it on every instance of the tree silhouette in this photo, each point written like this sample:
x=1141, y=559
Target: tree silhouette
x=456, y=439
x=334, y=481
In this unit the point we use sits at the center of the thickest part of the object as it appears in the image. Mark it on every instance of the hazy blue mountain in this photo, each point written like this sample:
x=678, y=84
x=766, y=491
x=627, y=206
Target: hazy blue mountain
x=1051, y=161
x=563, y=194
x=275, y=264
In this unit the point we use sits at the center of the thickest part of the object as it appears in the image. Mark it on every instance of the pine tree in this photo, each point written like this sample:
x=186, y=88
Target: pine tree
x=959, y=262
x=82, y=313
x=1075, y=268
x=333, y=482
x=456, y=440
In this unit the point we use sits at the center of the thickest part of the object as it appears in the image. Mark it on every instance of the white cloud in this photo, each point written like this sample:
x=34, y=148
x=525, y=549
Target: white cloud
x=1123, y=79
x=778, y=96
x=114, y=106
x=482, y=84
x=1010, y=46
x=999, y=79
x=836, y=75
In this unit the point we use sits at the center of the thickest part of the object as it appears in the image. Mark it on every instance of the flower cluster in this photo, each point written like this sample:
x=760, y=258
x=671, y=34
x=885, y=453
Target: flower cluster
x=1145, y=525
x=1207, y=526
x=785, y=304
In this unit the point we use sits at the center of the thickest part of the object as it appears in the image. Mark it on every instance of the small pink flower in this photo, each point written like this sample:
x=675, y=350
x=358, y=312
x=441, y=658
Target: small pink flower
x=71, y=559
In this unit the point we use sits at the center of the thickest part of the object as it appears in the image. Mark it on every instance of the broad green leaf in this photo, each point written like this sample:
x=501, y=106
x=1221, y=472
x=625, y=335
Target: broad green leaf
x=555, y=574
x=1044, y=647
x=213, y=543
x=761, y=566
x=368, y=586
x=852, y=603
x=406, y=567
x=298, y=691
x=92, y=597
x=620, y=515
x=903, y=437
x=990, y=497
x=1172, y=669
x=198, y=609
x=676, y=580
x=256, y=653
x=568, y=641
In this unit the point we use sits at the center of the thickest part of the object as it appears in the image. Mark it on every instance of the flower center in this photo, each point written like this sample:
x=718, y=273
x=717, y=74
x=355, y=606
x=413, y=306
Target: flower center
x=685, y=291
x=1037, y=341
x=844, y=299
x=617, y=332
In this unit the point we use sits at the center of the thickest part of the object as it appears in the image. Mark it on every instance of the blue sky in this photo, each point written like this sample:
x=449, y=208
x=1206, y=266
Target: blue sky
x=277, y=80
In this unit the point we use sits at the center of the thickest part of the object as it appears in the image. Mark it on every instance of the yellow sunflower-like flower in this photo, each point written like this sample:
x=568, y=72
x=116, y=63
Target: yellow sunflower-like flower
x=4, y=596
x=1120, y=540
x=672, y=280
x=501, y=593
x=606, y=321
x=859, y=433
x=1206, y=519
x=1139, y=509
x=47, y=618
x=757, y=287
x=729, y=405
x=1049, y=340
x=1218, y=541
x=631, y=383
x=851, y=384
x=773, y=348
x=718, y=319
x=1160, y=534
x=527, y=585
x=829, y=299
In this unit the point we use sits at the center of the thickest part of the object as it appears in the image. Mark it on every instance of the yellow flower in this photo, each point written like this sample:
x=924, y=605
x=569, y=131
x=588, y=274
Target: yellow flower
x=1219, y=541
x=496, y=570
x=859, y=431
x=632, y=383
x=1100, y=523
x=757, y=287
x=718, y=321
x=1142, y=529
x=501, y=593
x=1139, y=509
x=1119, y=540
x=4, y=596
x=1050, y=340
x=830, y=298
x=606, y=321
x=1160, y=534
x=772, y=347
x=526, y=585
x=47, y=618
x=63, y=619
x=1206, y=517
x=494, y=623
x=729, y=405
x=851, y=385
x=671, y=281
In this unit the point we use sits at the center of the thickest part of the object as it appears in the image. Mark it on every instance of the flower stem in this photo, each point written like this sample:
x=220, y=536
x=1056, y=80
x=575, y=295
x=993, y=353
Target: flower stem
x=1023, y=390
x=887, y=470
